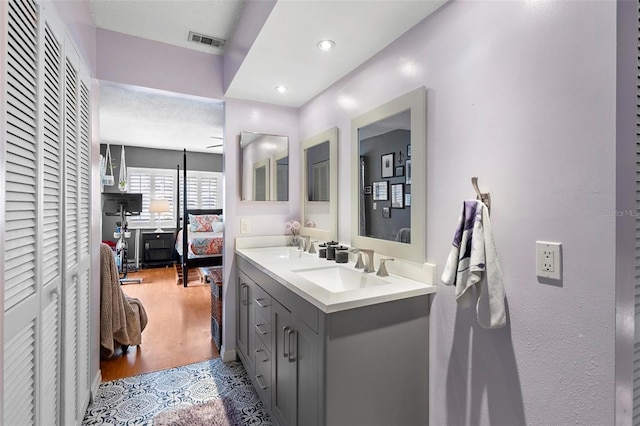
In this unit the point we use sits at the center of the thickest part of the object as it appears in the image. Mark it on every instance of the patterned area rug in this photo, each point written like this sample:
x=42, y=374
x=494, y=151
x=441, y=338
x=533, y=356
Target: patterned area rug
x=136, y=400
x=219, y=412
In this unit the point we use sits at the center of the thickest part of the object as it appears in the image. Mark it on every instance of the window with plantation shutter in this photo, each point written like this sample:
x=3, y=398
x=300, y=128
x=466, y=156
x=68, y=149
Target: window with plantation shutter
x=203, y=189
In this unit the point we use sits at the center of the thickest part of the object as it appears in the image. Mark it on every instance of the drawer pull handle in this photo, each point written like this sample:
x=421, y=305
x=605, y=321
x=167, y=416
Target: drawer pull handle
x=291, y=355
x=243, y=294
x=260, y=304
x=284, y=341
x=263, y=387
x=260, y=330
x=266, y=357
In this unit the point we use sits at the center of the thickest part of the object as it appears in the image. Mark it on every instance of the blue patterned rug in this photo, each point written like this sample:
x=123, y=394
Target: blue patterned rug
x=135, y=400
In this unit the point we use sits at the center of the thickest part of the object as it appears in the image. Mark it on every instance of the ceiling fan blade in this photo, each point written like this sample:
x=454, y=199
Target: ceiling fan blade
x=214, y=146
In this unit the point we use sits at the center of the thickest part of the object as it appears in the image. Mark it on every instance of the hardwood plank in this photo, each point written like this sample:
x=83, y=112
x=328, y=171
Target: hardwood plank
x=179, y=328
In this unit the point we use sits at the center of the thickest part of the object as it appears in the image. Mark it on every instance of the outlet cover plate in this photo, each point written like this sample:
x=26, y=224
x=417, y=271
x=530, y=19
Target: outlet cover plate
x=549, y=260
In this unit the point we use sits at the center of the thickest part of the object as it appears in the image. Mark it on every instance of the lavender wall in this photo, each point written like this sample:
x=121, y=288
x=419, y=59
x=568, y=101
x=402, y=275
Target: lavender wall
x=523, y=95
x=140, y=62
x=266, y=218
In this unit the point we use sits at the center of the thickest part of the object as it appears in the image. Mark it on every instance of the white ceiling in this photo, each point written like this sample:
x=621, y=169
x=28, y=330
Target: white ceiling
x=284, y=53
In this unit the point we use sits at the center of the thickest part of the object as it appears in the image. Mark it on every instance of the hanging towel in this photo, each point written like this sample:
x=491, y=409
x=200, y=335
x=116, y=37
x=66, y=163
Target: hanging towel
x=473, y=262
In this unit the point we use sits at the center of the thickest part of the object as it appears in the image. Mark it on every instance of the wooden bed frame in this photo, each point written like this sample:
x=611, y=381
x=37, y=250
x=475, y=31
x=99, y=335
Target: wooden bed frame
x=185, y=263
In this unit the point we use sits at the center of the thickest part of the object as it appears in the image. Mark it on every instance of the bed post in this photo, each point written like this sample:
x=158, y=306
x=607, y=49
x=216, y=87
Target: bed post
x=185, y=230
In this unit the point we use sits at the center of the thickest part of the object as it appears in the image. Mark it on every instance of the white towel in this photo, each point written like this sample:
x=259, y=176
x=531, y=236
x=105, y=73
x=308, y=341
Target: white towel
x=473, y=262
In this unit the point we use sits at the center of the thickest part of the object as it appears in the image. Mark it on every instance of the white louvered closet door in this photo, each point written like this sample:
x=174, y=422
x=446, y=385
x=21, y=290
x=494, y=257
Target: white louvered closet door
x=77, y=243
x=20, y=246
x=45, y=161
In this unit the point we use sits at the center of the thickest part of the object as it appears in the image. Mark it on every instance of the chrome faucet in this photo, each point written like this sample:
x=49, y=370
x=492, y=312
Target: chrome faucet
x=312, y=247
x=369, y=265
x=304, y=242
x=382, y=270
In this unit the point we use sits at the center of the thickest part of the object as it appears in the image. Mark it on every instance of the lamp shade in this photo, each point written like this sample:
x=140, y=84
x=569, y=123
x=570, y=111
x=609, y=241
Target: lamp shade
x=159, y=206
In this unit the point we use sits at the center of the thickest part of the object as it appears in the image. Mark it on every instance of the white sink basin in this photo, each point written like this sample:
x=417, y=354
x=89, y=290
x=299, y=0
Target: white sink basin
x=286, y=253
x=338, y=279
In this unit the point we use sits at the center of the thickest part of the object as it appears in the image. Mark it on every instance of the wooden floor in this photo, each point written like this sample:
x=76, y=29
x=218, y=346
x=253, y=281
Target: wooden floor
x=179, y=328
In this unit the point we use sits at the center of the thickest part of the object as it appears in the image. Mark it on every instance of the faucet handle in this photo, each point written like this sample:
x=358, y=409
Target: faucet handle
x=382, y=270
x=359, y=262
x=312, y=247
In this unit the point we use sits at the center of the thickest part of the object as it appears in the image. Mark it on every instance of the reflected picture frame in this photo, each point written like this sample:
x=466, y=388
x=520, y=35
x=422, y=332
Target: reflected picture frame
x=397, y=196
x=386, y=165
x=380, y=191
x=407, y=172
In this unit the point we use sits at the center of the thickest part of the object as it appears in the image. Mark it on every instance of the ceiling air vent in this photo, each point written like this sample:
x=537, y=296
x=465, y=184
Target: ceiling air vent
x=205, y=39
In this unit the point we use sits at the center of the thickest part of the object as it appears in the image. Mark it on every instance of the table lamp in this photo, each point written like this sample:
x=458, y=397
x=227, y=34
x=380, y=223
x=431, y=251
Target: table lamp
x=157, y=207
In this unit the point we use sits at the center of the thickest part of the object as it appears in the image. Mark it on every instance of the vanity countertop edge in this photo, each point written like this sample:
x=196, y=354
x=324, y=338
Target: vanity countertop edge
x=327, y=301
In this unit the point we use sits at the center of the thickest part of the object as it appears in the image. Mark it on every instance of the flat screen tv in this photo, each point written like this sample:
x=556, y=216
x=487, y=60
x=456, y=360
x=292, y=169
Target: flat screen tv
x=131, y=203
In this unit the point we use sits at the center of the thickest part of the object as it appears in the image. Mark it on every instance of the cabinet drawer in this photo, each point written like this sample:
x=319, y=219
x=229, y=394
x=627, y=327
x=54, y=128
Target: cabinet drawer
x=262, y=305
x=262, y=380
x=263, y=331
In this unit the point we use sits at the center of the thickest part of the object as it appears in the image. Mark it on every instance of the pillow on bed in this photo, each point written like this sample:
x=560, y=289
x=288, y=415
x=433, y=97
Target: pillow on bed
x=218, y=226
x=202, y=222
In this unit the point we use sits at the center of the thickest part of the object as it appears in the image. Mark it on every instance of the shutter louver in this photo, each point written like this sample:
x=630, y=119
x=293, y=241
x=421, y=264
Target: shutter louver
x=19, y=377
x=52, y=161
x=636, y=340
x=21, y=163
x=83, y=332
x=49, y=360
x=70, y=349
x=85, y=172
x=140, y=183
x=71, y=165
x=209, y=193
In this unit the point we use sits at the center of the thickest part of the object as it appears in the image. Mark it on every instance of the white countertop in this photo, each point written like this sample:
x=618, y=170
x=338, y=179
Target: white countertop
x=319, y=281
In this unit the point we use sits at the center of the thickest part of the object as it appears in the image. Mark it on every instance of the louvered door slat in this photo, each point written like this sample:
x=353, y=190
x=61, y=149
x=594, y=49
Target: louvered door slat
x=70, y=357
x=21, y=142
x=636, y=355
x=19, y=377
x=50, y=356
x=85, y=173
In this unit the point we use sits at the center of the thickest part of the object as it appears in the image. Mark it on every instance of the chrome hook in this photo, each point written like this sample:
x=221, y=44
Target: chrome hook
x=484, y=197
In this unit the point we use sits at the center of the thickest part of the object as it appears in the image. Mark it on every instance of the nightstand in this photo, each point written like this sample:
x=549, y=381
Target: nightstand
x=157, y=248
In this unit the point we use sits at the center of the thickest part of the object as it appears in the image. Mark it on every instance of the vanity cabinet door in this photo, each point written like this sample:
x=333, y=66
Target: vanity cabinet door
x=245, y=334
x=283, y=392
x=294, y=397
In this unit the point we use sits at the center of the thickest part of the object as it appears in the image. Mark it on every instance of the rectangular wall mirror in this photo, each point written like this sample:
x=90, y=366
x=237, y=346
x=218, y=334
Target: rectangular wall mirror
x=389, y=178
x=320, y=185
x=264, y=168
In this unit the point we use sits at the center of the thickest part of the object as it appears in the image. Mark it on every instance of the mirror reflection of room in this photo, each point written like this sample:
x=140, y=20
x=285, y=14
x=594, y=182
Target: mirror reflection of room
x=385, y=181
x=317, y=214
x=265, y=167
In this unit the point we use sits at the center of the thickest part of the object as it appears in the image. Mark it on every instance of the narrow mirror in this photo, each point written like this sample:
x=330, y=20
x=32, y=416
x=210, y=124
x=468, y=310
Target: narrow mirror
x=264, y=167
x=320, y=185
x=389, y=178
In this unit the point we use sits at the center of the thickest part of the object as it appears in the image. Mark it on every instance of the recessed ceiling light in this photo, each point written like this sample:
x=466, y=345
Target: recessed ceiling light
x=281, y=89
x=326, y=45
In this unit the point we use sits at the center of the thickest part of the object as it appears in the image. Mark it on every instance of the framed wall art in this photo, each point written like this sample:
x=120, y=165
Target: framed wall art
x=387, y=165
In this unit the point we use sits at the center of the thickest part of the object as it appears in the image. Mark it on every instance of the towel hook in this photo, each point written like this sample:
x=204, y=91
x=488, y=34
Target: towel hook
x=484, y=197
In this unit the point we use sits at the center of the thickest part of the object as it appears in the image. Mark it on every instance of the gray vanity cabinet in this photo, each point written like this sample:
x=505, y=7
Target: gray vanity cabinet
x=366, y=365
x=294, y=398
x=246, y=322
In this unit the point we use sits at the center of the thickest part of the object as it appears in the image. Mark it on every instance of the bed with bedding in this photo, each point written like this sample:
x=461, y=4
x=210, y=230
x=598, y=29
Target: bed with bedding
x=204, y=240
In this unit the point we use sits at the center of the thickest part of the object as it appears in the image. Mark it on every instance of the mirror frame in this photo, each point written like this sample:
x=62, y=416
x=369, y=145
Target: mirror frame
x=270, y=167
x=415, y=251
x=330, y=135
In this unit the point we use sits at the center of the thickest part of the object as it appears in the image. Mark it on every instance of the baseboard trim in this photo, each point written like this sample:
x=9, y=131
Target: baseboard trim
x=228, y=356
x=96, y=384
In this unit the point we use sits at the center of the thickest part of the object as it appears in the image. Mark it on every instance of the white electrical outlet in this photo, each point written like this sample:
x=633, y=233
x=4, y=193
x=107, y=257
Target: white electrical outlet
x=549, y=260
x=245, y=226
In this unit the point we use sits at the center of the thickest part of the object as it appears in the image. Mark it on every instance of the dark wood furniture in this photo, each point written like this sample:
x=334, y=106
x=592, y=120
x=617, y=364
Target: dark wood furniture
x=187, y=262
x=157, y=248
x=213, y=276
